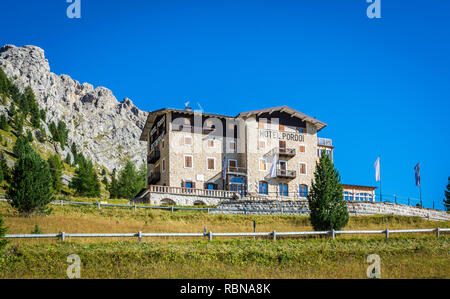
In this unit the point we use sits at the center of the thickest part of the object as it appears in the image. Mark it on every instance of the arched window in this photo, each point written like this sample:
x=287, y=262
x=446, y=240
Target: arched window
x=303, y=191
x=283, y=189
x=263, y=188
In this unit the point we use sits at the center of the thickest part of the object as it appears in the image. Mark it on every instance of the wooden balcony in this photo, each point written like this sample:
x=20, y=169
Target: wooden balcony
x=286, y=152
x=154, y=156
x=286, y=174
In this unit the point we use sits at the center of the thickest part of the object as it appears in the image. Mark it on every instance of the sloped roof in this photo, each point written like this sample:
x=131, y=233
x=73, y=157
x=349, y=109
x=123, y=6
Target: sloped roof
x=294, y=113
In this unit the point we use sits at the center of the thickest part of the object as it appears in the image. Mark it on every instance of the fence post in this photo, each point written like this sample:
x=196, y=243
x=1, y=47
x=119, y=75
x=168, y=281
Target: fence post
x=210, y=236
x=205, y=231
x=140, y=237
x=63, y=236
x=208, y=210
x=61, y=202
x=437, y=232
x=333, y=233
x=98, y=204
x=274, y=234
x=387, y=233
x=171, y=209
x=135, y=207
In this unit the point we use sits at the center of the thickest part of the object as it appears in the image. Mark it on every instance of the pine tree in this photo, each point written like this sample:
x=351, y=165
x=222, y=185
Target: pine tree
x=326, y=203
x=30, y=190
x=447, y=196
x=142, y=177
x=3, y=122
x=55, y=163
x=129, y=181
x=4, y=167
x=21, y=146
x=4, y=88
x=85, y=182
x=114, y=186
x=3, y=231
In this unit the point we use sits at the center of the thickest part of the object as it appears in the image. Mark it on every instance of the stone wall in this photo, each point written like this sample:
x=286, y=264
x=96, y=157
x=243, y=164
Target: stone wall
x=299, y=207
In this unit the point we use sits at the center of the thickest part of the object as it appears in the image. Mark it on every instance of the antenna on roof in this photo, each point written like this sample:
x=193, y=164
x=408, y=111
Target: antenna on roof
x=186, y=106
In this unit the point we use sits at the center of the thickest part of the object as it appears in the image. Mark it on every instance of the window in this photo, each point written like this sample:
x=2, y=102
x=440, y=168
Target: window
x=211, y=186
x=261, y=124
x=262, y=164
x=283, y=189
x=187, y=140
x=163, y=165
x=188, y=161
x=303, y=191
x=282, y=144
x=188, y=184
x=163, y=144
x=301, y=130
x=211, y=163
x=302, y=149
x=210, y=143
x=281, y=127
x=302, y=168
x=232, y=146
x=232, y=165
x=262, y=144
x=263, y=188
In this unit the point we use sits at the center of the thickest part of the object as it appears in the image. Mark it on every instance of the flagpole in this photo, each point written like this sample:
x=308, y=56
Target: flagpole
x=381, y=195
x=420, y=192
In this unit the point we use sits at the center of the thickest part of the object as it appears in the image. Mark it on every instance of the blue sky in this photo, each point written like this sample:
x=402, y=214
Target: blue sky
x=381, y=85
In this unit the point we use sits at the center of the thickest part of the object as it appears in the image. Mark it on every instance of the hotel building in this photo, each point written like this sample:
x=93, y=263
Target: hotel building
x=268, y=153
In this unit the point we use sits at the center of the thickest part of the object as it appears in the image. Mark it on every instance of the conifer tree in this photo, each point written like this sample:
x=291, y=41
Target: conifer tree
x=128, y=183
x=55, y=163
x=85, y=182
x=114, y=187
x=4, y=167
x=30, y=190
x=326, y=203
x=3, y=231
x=447, y=196
x=3, y=122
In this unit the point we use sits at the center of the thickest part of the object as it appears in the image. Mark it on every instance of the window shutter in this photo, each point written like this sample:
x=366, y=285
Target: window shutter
x=183, y=184
x=193, y=185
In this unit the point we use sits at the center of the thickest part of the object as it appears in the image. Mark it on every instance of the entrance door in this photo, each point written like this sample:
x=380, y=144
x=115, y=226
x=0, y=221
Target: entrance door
x=237, y=185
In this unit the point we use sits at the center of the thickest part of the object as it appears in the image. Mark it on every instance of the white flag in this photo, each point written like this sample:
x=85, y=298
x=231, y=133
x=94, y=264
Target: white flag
x=273, y=169
x=377, y=170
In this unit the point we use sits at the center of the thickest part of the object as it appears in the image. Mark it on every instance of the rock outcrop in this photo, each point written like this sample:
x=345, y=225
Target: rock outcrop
x=105, y=130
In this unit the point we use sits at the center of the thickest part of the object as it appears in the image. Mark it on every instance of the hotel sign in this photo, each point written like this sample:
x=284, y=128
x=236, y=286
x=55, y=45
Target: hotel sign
x=282, y=135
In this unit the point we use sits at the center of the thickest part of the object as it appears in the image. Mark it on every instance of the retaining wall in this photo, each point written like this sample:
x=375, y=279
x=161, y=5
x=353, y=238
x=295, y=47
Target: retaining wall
x=355, y=208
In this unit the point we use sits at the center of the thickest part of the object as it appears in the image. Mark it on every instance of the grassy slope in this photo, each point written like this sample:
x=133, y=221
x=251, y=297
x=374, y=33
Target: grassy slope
x=414, y=256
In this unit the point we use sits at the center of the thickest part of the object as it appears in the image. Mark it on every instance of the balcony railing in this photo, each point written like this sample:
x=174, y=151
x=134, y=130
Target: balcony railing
x=287, y=152
x=240, y=170
x=154, y=178
x=191, y=129
x=287, y=174
x=325, y=141
x=191, y=191
x=154, y=157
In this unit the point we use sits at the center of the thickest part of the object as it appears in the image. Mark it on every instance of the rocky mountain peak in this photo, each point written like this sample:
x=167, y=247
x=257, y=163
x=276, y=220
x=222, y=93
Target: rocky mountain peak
x=104, y=129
